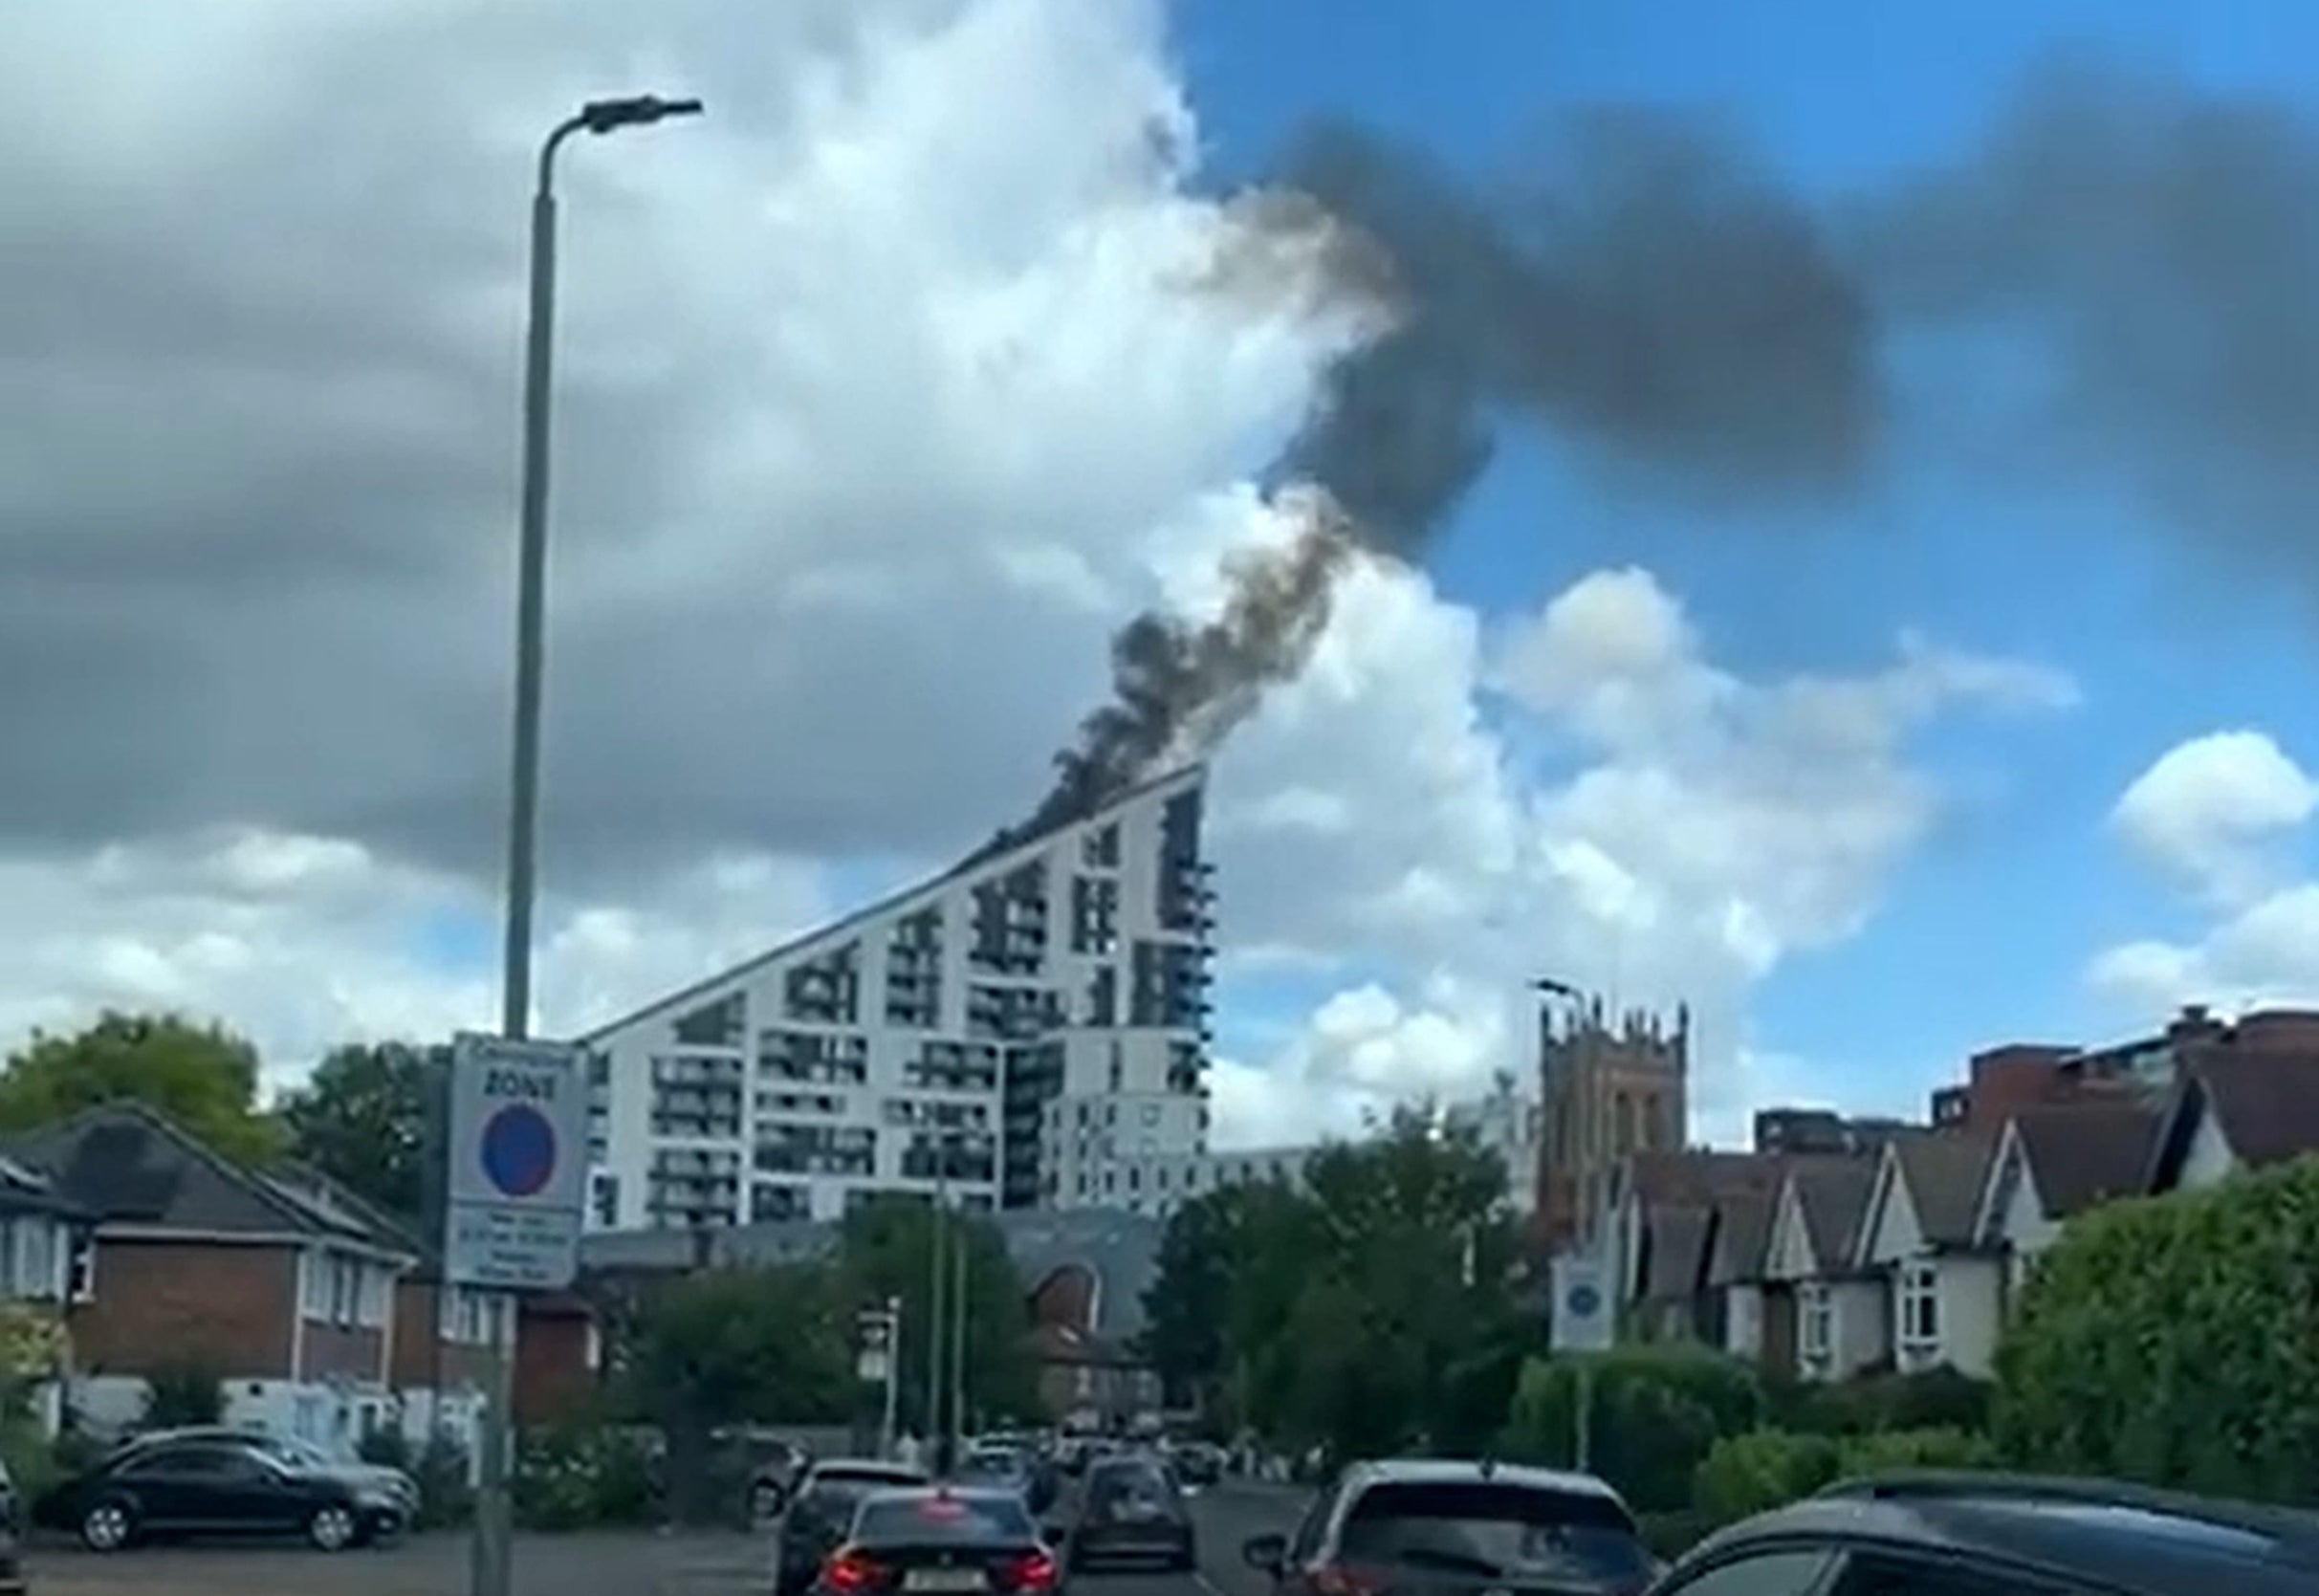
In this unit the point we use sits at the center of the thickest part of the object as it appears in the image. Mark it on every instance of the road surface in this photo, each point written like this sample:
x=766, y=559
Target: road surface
x=597, y=1565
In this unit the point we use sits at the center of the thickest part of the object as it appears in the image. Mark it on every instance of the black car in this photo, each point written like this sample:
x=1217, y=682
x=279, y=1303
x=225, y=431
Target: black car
x=821, y=1509
x=940, y=1541
x=1446, y=1527
x=1131, y=1510
x=219, y=1486
x=1980, y=1534
x=297, y=1455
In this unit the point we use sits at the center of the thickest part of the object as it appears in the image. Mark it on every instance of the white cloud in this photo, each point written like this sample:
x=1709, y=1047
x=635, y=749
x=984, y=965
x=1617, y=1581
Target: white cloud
x=1383, y=817
x=2212, y=815
x=886, y=390
x=2226, y=817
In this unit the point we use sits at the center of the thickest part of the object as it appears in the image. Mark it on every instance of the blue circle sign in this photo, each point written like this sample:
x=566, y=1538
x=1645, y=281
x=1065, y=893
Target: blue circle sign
x=518, y=1151
x=1584, y=1302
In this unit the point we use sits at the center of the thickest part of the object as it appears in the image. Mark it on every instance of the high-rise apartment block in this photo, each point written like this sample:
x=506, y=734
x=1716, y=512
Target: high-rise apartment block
x=1017, y=1031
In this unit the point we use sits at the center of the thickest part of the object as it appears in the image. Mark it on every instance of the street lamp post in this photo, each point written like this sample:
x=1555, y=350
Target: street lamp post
x=491, y=1570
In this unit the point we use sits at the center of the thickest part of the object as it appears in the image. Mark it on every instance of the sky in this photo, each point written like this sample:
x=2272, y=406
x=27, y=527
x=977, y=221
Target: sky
x=1883, y=623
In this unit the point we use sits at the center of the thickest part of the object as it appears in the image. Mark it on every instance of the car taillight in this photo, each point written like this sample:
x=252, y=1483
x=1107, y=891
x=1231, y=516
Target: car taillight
x=849, y=1571
x=1032, y=1571
x=1334, y=1579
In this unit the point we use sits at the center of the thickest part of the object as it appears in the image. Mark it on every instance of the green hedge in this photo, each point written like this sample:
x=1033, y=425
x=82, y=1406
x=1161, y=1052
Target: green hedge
x=2176, y=1341
x=1934, y=1399
x=1657, y=1412
x=1748, y=1473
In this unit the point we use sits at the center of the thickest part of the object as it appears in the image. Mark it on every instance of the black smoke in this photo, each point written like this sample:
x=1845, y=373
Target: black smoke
x=1654, y=301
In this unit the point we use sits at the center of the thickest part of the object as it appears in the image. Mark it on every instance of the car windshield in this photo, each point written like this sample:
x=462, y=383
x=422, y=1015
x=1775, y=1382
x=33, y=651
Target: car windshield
x=993, y=1462
x=930, y=1517
x=1493, y=1531
x=1143, y=1483
x=834, y=1495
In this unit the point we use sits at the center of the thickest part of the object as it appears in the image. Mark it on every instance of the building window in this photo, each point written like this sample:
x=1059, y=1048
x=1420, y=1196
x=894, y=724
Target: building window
x=84, y=1267
x=1816, y=1314
x=377, y=1286
x=1919, y=1304
x=604, y=1198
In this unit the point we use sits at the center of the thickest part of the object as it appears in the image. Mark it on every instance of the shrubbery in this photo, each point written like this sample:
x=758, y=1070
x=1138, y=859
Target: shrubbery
x=2176, y=1341
x=183, y=1394
x=1657, y=1412
x=1764, y=1468
x=573, y=1478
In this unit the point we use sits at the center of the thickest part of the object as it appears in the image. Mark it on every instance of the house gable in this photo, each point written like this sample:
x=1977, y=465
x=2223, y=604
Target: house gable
x=2010, y=1181
x=1790, y=1256
x=2209, y=1158
x=1890, y=1232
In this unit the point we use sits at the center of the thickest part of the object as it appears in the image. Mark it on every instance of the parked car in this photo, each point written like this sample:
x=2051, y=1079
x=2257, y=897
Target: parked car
x=1131, y=1510
x=302, y=1455
x=822, y=1510
x=1458, y=1528
x=218, y=1486
x=776, y=1466
x=1985, y=1534
x=940, y=1539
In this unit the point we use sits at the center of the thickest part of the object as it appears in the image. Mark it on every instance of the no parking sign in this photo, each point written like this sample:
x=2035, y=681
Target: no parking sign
x=517, y=1143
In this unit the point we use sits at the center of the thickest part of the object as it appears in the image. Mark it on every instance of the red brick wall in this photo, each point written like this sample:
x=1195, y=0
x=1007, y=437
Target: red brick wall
x=352, y=1350
x=554, y=1375
x=161, y=1302
x=416, y=1366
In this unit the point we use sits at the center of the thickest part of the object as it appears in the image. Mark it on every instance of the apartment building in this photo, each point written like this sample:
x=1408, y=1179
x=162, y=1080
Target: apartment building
x=1017, y=1031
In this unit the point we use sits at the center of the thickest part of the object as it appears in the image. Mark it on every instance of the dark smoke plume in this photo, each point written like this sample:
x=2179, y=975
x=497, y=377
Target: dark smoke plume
x=1647, y=298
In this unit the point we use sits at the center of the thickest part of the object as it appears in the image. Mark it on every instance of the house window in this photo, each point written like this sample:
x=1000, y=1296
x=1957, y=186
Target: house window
x=83, y=1270
x=1816, y=1317
x=1920, y=1305
x=377, y=1289
x=314, y=1285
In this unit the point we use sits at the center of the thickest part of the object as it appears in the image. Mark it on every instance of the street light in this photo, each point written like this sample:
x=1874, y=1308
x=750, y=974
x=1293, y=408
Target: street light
x=491, y=1570
x=597, y=115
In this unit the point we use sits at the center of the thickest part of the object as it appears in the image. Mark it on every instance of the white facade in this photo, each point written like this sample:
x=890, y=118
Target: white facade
x=1945, y=1306
x=1843, y=1320
x=1153, y=1180
x=1021, y=1030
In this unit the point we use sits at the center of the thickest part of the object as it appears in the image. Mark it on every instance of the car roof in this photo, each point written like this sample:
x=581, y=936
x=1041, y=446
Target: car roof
x=1460, y=1471
x=2128, y=1537
x=872, y=1469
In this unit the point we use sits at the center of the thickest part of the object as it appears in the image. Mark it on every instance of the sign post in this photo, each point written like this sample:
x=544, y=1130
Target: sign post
x=1581, y=1326
x=513, y=1193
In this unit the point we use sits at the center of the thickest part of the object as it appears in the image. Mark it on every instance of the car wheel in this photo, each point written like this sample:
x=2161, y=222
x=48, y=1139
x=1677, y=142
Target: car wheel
x=108, y=1526
x=332, y=1528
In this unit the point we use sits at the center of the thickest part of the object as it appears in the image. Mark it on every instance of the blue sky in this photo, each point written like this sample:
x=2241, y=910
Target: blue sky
x=1986, y=934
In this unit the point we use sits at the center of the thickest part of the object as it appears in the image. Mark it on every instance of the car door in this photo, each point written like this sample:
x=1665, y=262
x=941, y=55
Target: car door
x=191, y=1485
x=1779, y=1569
x=252, y=1490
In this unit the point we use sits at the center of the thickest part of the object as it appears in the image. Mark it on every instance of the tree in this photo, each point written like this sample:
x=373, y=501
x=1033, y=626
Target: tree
x=362, y=1119
x=2174, y=1340
x=1374, y=1308
x=885, y=1251
x=728, y=1347
x=201, y=1077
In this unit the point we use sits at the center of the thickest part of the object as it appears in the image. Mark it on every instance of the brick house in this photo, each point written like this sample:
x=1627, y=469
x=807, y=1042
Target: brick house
x=286, y=1291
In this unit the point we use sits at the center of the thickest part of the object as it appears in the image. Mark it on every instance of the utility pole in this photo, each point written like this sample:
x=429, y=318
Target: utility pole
x=934, y=1316
x=959, y=1251
x=893, y=1375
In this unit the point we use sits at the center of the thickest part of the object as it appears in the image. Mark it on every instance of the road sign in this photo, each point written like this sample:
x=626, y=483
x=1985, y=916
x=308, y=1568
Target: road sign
x=1582, y=1316
x=518, y=1148
x=874, y=1344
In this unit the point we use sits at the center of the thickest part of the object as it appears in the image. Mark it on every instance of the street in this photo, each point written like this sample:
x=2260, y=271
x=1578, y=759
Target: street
x=630, y=1564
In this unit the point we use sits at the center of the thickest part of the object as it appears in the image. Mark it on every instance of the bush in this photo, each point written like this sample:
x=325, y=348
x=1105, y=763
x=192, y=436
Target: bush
x=447, y=1494
x=1747, y=1473
x=571, y=1478
x=1657, y=1412
x=1751, y=1474
x=187, y=1392
x=1934, y=1399
x=2174, y=1340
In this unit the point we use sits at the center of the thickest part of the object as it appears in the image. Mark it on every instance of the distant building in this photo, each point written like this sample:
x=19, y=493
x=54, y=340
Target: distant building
x=1823, y=1130
x=1021, y=1031
x=2004, y=1082
x=1609, y=1090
